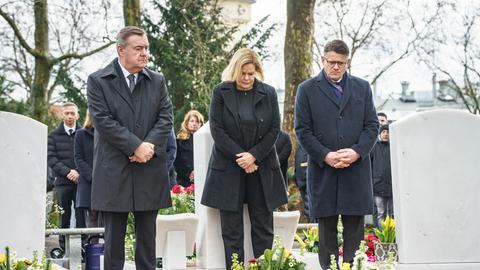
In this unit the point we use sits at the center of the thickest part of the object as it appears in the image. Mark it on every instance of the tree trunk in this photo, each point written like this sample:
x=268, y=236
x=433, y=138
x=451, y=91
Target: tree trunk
x=131, y=12
x=42, y=66
x=298, y=57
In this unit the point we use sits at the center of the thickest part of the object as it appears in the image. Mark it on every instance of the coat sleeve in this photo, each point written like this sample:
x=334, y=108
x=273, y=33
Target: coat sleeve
x=304, y=128
x=110, y=129
x=84, y=168
x=171, y=149
x=162, y=129
x=369, y=133
x=223, y=141
x=263, y=148
x=52, y=159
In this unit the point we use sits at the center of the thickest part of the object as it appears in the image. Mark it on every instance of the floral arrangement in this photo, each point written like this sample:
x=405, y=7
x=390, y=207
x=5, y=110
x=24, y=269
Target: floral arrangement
x=183, y=200
x=309, y=242
x=370, y=241
x=278, y=258
x=9, y=261
x=386, y=234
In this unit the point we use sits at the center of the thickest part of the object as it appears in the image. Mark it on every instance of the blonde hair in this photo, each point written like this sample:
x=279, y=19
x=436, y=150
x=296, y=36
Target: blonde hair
x=242, y=57
x=88, y=123
x=184, y=134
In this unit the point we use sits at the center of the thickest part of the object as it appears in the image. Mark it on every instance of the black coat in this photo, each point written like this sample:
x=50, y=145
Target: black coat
x=84, y=161
x=324, y=124
x=284, y=148
x=122, y=121
x=184, y=160
x=60, y=154
x=381, y=169
x=222, y=186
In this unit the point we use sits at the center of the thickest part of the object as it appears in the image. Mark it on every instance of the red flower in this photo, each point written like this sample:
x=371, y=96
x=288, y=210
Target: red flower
x=190, y=189
x=371, y=237
x=369, y=253
x=177, y=189
x=371, y=245
x=253, y=260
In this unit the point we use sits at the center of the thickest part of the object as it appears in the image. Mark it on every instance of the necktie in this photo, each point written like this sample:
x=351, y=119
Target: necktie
x=131, y=81
x=70, y=132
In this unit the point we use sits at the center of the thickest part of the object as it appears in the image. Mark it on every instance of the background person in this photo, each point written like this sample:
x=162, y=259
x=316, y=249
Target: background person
x=83, y=155
x=336, y=123
x=243, y=167
x=192, y=122
x=61, y=161
x=283, y=145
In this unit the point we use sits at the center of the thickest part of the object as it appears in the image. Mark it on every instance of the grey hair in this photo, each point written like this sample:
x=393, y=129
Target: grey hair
x=127, y=31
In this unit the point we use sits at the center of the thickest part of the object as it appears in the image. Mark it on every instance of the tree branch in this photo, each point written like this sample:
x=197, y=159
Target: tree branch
x=19, y=36
x=81, y=55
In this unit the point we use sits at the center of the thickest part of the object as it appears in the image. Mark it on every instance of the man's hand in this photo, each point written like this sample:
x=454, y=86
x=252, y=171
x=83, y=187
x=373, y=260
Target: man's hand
x=73, y=176
x=245, y=159
x=334, y=159
x=143, y=153
x=251, y=169
x=346, y=156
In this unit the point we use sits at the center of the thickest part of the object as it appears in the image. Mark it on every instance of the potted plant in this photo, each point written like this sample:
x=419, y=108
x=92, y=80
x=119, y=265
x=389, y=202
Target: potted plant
x=386, y=237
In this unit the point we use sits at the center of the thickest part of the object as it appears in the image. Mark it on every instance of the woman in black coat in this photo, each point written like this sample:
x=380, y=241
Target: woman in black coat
x=83, y=154
x=184, y=161
x=244, y=167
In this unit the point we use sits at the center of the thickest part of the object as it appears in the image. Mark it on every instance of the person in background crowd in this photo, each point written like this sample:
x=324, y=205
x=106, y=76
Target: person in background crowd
x=336, y=123
x=382, y=118
x=382, y=176
x=84, y=161
x=61, y=160
x=172, y=155
x=192, y=121
x=243, y=167
x=132, y=114
x=284, y=148
x=301, y=158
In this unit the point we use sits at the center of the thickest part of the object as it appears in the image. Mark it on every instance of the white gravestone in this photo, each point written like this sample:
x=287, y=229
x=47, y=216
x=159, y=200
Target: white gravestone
x=23, y=169
x=436, y=180
x=209, y=244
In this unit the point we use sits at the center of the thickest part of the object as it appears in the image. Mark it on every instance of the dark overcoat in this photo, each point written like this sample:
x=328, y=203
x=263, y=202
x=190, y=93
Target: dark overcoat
x=324, y=124
x=122, y=121
x=83, y=154
x=224, y=176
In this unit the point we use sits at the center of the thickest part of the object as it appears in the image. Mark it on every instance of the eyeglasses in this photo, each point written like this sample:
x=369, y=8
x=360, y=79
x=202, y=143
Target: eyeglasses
x=340, y=64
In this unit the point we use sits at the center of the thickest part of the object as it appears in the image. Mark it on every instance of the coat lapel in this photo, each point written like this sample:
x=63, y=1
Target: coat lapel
x=347, y=93
x=259, y=93
x=118, y=83
x=326, y=88
x=230, y=100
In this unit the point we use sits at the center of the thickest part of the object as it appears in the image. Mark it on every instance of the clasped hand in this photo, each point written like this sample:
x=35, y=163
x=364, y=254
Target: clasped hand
x=143, y=153
x=342, y=158
x=246, y=161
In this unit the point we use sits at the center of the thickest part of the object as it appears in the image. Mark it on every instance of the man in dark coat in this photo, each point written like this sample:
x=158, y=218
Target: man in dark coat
x=132, y=115
x=61, y=160
x=382, y=176
x=283, y=145
x=336, y=123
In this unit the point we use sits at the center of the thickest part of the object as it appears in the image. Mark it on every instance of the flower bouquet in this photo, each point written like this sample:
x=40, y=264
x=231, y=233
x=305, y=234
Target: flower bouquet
x=386, y=243
x=9, y=261
x=183, y=200
x=309, y=242
x=277, y=258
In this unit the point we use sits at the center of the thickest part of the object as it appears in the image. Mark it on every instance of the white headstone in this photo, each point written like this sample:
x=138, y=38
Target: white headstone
x=23, y=169
x=436, y=180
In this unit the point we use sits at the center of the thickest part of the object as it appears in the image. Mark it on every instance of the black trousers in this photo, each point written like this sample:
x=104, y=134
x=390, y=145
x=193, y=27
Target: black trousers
x=261, y=220
x=145, y=232
x=66, y=196
x=353, y=228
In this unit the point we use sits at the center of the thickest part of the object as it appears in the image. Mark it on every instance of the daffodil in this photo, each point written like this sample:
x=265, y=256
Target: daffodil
x=3, y=258
x=345, y=266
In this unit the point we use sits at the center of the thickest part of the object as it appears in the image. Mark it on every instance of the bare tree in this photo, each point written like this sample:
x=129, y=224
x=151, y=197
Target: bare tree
x=297, y=55
x=390, y=30
x=455, y=54
x=36, y=74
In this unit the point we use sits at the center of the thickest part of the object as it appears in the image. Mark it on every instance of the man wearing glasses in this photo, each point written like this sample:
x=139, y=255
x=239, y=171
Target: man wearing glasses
x=336, y=123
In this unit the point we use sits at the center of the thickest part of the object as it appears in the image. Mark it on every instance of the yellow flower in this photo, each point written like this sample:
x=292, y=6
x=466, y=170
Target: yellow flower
x=286, y=253
x=345, y=266
x=3, y=258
